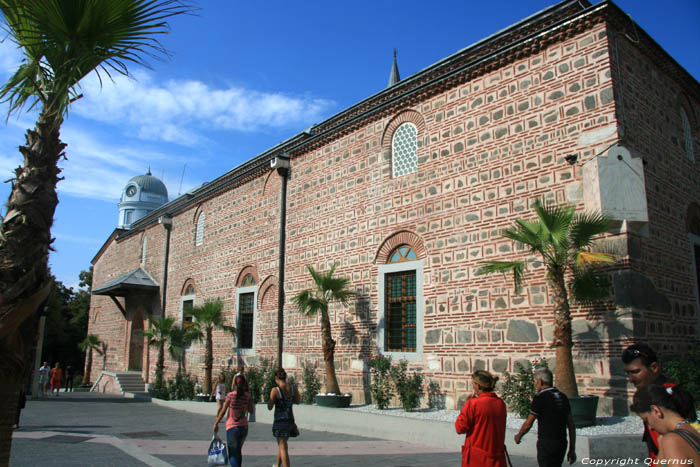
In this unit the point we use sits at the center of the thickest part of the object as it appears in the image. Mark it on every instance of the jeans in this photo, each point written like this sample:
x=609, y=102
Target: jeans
x=235, y=437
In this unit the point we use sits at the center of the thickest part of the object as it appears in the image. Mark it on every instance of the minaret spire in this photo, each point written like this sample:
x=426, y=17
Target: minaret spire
x=394, y=76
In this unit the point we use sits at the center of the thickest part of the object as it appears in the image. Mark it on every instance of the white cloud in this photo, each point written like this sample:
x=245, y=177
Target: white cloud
x=10, y=58
x=78, y=239
x=178, y=111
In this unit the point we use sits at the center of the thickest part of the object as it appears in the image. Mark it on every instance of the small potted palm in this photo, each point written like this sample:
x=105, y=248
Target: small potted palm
x=562, y=238
x=313, y=302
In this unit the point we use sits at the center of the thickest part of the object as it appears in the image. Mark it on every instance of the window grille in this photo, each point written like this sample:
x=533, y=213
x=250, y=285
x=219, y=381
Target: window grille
x=246, y=320
x=687, y=136
x=400, y=335
x=404, y=150
x=199, y=237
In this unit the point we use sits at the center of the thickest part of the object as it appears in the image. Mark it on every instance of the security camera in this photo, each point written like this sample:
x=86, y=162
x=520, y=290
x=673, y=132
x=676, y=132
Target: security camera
x=571, y=159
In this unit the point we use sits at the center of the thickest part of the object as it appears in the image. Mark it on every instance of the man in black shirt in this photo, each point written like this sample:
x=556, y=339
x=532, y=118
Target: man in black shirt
x=551, y=409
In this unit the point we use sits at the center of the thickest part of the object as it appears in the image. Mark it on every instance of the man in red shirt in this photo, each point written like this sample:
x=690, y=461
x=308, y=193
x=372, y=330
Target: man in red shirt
x=642, y=368
x=483, y=419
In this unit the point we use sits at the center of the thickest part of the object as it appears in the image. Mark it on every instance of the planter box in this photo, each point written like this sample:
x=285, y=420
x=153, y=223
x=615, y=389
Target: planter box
x=338, y=401
x=583, y=410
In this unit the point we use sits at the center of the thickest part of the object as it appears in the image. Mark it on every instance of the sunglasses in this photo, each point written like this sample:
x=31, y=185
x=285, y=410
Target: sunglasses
x=630, y=354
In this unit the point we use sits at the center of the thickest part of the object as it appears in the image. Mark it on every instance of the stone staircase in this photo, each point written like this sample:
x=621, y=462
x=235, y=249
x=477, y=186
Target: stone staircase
x=130, y=381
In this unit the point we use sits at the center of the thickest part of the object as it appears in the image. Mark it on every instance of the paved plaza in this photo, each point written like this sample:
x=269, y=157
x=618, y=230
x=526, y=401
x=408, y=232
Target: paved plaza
x=89, y=429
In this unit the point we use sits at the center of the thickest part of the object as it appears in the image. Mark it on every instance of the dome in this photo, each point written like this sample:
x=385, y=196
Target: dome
x=150, y=184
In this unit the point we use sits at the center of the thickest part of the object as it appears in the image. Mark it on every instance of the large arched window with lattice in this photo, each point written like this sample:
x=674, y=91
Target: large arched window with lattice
x=401, y=303
x=687, y=135
x=404, y=150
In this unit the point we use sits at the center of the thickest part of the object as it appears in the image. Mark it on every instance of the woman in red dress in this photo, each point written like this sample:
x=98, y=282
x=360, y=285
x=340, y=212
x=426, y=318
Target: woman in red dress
x=483, y=419
x=56, y=375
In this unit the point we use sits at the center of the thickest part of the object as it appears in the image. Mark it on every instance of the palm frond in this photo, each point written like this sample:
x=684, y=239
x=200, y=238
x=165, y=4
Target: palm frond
x=588, y=285
x=583, y=258
x=504, y=267
x=555, y=221
x=64, y=41
x=586, y=226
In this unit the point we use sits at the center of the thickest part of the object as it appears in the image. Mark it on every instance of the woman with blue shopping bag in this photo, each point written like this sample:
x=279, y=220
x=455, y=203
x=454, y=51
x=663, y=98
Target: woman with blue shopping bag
x=238, y=403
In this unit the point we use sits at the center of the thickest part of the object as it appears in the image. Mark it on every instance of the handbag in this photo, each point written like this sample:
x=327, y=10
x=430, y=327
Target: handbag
x=293, y=429
x=217, y=452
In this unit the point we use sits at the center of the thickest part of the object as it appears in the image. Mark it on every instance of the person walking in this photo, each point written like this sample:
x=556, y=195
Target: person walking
x=44, y=375
x=220, y=392
x=56, y=375
x=667, y=410
x=551, y=409
x=642, y=369
x=237, y=403
x=282, y=398
x=69, y=378
x=483, y=420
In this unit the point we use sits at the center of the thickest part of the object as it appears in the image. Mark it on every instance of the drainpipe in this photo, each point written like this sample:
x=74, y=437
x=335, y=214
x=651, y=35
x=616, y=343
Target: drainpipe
x=281, y=163
x=166, y=220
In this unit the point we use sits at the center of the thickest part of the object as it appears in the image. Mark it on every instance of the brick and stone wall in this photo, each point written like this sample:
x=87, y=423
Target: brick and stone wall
x=487, y=148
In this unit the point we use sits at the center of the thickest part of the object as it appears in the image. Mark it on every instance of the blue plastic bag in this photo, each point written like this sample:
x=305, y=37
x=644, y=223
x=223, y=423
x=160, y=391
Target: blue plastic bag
x=217, y=452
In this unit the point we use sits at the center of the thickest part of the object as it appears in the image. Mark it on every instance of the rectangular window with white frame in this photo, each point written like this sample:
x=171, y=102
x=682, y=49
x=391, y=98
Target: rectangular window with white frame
x=245, y=319
x=401, y=307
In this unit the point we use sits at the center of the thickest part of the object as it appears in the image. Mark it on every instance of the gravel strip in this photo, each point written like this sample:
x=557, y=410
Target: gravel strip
x=604, y=426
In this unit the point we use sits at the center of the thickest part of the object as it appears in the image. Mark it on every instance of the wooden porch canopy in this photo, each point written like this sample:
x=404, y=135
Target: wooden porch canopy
x=137, y=280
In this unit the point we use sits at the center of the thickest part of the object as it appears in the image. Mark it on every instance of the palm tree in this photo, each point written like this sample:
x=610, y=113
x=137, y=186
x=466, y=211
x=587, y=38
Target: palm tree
x=88, y=345
x=179, y=339
x=62, y=41
x=562, y=238
x=314, y=301
x=207, y=318
x=157, y=336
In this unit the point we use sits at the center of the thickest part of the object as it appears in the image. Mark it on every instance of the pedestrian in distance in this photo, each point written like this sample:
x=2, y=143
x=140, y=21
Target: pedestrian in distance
x=56, y=375
x=220, y=392
x=44, y=375
x=551, y=409
x=69, y=378
x=483, y=420
x=282, y=398
x=668, y=410
x=642, y=369
x=238, y=403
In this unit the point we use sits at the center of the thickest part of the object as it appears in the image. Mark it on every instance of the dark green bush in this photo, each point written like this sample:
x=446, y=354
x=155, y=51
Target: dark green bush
x=181, y=388
x=255, y=382
x=518, y=389
x=409, y=388
x=312, y=383
x=686, y=373
x=159, y=389
x=380, y=385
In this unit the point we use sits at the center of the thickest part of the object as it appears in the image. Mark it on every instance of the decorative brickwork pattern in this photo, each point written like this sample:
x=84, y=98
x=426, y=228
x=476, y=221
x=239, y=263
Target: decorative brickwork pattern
x=397, y=239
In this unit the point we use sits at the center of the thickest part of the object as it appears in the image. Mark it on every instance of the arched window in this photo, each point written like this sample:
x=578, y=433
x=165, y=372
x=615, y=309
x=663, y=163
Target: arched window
x=199, y=235
x=687, y=136
x=404, y=150
x=248, y=280
x=402, y=253
x=187, y=300
x=401, y=304
x=143, y=250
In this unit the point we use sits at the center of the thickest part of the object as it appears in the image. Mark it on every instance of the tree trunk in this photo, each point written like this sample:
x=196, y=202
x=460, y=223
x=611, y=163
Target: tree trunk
x=208, y=363
x=328, y=355
x=88, y=367
x=14, y=366
x=25, y=240
x=565, y=378
x=160, y=366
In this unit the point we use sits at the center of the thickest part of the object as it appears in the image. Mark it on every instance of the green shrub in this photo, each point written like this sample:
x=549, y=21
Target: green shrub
x=268, y=368
x=159, y=389
x=436, y=399
x=409, y=388
x=686, y=373
x=312, y=383
x=181, y=388
x=380, y=385
x=518, y=389
x=255, y=382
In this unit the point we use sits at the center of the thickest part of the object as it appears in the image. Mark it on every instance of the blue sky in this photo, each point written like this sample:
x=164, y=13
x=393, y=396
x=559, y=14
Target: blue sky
x=244, y=76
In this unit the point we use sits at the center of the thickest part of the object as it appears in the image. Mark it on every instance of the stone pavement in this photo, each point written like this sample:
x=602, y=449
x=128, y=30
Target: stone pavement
x=89, y=429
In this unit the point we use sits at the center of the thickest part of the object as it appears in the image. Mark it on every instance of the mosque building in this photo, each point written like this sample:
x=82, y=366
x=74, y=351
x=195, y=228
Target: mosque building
x=408, y=192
